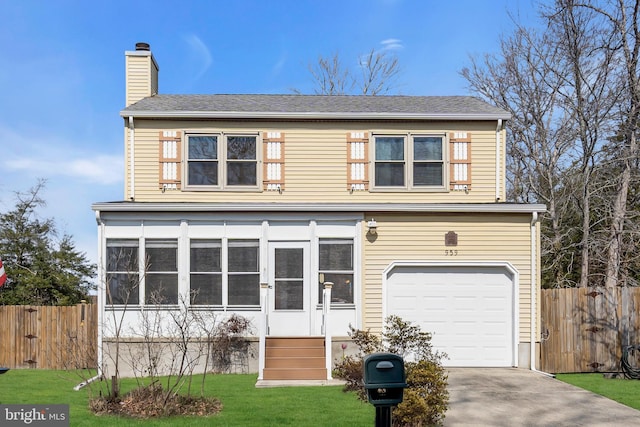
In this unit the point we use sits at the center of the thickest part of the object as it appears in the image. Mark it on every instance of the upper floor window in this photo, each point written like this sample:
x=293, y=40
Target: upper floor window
x=222, y=161
x=409, y=161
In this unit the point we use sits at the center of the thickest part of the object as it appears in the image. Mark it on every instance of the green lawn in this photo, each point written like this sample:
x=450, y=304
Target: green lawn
x=244, y=405
x=624, y=391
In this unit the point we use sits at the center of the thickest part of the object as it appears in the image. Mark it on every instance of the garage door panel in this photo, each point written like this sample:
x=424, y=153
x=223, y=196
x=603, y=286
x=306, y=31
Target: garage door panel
x=468, y=310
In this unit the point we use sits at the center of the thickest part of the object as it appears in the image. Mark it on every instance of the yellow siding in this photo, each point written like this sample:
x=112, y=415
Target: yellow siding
x=138, y=76
x=315, y=162
x=481, y=237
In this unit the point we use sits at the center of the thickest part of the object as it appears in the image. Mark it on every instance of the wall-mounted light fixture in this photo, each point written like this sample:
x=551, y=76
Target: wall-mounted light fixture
x=373, y=226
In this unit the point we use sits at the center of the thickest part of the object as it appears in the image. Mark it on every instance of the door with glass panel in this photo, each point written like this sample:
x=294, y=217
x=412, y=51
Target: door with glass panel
x=289, y=293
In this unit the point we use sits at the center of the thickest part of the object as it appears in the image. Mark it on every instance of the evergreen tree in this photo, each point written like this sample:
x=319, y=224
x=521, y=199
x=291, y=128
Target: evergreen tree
x=41, y=268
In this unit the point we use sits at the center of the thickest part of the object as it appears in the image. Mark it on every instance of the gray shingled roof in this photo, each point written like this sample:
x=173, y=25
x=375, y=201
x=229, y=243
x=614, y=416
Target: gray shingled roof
x=316, y=106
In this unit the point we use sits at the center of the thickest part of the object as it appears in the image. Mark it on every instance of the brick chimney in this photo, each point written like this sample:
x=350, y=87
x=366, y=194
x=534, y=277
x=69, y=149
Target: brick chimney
x=141, y=71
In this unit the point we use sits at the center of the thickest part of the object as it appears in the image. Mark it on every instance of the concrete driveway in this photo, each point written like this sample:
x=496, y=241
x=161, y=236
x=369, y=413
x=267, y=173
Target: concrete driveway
x=520, y=397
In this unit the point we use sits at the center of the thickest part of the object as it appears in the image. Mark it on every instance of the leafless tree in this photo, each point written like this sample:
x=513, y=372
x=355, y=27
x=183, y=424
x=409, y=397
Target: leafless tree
x=588, y=93
x=573, y=90
x=521, y=80
x=376, y=73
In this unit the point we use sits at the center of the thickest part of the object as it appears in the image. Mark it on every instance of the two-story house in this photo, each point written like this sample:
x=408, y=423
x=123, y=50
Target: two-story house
x=307, y=214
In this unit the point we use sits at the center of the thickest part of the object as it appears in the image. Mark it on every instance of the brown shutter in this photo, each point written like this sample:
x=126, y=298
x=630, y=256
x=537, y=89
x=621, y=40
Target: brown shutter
x=273, y=170
x=460, y=161
x=357, y=161
x=170, y=155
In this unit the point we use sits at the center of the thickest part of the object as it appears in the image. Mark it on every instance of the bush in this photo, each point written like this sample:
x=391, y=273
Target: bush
x=426, y=397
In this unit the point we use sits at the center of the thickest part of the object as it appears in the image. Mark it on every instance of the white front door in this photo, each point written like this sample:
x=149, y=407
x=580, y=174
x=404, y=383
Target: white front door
x=289, y=293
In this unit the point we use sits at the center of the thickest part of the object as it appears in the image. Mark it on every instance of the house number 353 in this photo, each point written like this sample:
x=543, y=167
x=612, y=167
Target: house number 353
x=451, y=252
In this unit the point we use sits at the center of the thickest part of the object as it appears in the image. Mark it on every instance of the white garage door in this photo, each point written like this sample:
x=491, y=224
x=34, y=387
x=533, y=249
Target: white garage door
x=469, y=310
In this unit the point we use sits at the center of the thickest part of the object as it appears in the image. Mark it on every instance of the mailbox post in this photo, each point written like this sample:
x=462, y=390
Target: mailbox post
x=384, y=381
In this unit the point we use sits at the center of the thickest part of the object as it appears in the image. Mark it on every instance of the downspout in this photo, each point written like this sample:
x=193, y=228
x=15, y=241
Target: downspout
x=100, y=355
x=534, y=294
x=131, y=159
x=498, y=151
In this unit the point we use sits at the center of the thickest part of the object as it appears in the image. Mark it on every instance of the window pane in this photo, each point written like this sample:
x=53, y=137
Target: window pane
x=336, y=256
x=243, y=255
x=289, y=295
x=122, y=288
x=389, y=174
x=123, y=277
x=241, y=173
x=336, y=264
x=203, y=147
x=342, y=291
x=161, y=288
x=162, y=255
x=203, y=173
x=427, y=174
x=427, y=148
x=289, y=263
x=205, y=256
x=122, y=258
x=244, y=289
x=206, y=289
x=390, y=148
x=241, y=147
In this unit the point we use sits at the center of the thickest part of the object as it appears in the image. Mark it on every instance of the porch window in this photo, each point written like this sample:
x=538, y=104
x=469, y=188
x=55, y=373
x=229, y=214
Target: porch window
x=244, y=272
x=336, y=265
x=206, y=272
x=123, y=276
x=161, y=278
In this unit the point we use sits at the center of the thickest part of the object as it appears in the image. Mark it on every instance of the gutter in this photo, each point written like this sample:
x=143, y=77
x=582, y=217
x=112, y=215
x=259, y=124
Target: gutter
x=534, y=294
x=319, y=207
x=191, y=114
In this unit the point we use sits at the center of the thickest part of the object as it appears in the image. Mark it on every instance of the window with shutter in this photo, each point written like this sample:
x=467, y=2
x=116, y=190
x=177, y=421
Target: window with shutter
x=170, y=159
x=273, y=171
x=357, y=161
x=460, y=161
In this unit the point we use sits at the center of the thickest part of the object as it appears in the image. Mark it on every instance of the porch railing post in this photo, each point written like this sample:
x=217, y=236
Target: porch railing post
x=264, y=327
x=326, y=316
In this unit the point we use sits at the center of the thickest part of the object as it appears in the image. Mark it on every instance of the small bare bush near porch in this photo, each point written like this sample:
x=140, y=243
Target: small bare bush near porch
x=426, y=397
x=174, y=343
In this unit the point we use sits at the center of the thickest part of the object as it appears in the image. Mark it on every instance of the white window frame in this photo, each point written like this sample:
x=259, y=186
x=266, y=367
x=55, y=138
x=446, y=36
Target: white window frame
x=223, y=162
x=409, y=163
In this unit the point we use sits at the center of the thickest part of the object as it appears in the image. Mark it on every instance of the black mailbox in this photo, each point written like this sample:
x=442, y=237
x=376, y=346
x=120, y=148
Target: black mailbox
x=384, y=378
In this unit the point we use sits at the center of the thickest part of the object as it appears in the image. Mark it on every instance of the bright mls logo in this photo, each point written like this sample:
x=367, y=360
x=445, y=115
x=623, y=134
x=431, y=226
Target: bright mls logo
x=34, y=415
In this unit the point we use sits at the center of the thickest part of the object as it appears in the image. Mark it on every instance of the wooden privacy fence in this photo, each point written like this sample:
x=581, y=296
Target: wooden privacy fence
x=48, y=337
x=585, y=329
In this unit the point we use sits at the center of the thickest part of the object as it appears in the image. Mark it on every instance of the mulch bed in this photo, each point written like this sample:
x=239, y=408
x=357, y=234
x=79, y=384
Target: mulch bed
x=154, y=402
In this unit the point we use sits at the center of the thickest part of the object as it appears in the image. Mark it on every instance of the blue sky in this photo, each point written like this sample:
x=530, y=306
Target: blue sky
x=62, y=72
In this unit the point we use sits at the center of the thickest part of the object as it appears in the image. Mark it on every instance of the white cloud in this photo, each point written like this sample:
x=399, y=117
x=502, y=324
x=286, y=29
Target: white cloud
x=199, y=54
x=392, y=44
x=278, y=66
x=101, y=169
x=49, y=156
